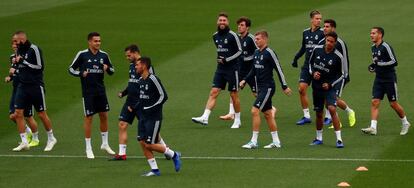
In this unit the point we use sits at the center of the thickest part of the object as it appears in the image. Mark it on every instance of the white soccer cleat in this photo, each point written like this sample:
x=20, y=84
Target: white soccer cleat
x=236, y=125
x=273, y=145
x=404, y=129
x=89, y=154
x=250, y=145
x=50, y=144
x=22, y=146
x=105, y=147
x=369, y=130
x=200, y=120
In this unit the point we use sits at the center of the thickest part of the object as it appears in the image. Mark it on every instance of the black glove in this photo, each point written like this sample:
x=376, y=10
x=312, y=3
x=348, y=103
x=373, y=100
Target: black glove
x=221, y=60
x=295, y=63
x=371, y=67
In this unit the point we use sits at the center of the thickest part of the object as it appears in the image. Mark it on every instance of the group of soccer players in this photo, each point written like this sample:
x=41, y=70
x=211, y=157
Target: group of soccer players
x=248, y=59
x=242, y=59
x=146, y=97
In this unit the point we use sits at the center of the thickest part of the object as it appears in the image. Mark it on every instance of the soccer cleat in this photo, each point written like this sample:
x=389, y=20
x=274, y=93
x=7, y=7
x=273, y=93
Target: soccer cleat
x=200, y=120
x=327, y=121
x=22, y=146
x=351, y=118
x=29, y=137
x=50, y=144
x=154, y=172
x=339, y=144
x=331, y=127
x=105, y=147
x=316, y=142
x=303, y=121
x=34, y=143
x=404, y=129
x=369, y=130
x=118, y=158
x=273, y=145
x=250, y=145
x=177, y=161
x=236, y=125
x=227, y=117
x=89, y=154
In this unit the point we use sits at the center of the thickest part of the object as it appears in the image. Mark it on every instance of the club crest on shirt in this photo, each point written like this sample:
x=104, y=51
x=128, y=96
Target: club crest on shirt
x=330, y=62
x=379, y=52
x=261, y=57
x=244, y=44
x=316, y=37
x=101, y=61
x=225, y=41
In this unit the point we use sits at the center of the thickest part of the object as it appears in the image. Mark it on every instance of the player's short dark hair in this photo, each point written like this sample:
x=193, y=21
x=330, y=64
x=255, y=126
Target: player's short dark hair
x=19, y=32
x=263, y=33
x=380, y=30
x=313, y=13
x=332, y=34
x=146, y=61
x=245, y=20
x=224, y=14
x=93, y=34
x=330, y=22
x=132, y=48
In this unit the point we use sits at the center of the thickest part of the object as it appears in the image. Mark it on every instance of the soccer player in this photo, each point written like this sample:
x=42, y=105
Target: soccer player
x=326, y=66
x=132, y=53
x=330, y=26
x=383, y=64
x=30, y=91
x=31, y=130
x=90, y=65
x=152, y=97
x=246, y=63
x=265, y=60
x=310, y=39
x=228, y=51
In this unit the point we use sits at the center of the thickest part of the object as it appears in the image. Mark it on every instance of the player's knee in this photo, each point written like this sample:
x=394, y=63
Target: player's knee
x=42, y=114
x=255, y=111
x=268, y=114
x=331, y=109
x=122, y=125
x=214, y=92
x=375, y=102
x=302, y=90
x=394, y=104
x=18, y=114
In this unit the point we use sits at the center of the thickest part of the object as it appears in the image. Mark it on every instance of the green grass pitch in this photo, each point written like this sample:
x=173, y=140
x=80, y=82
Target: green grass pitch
x=177, y=35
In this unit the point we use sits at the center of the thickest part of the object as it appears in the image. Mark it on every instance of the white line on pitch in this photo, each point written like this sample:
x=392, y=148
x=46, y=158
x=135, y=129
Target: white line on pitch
x=224, y=158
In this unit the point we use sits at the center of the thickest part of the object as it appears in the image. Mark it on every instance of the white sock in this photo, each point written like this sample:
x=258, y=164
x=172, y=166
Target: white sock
x=35, y=136
x=404, y=120
x=104, y=138
x=306, y=113
x=162, y=142
x=24, y=138
x=122, y=149
x=28, y=130
x=231, y=109
x=348, y=110
x=338, y=135
x=88, y=143
x=169, y=152
x=206, y=113
x=319, y=134
x=327, y=114
x=153, y=163
x=50, y=135
x=237, y=117
x=374, y=124
x=255, y=135
x=275, y=137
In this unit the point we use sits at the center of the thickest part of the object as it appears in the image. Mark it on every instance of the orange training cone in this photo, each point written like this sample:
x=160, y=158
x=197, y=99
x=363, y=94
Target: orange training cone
x=344, y=184
x=362, y=168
